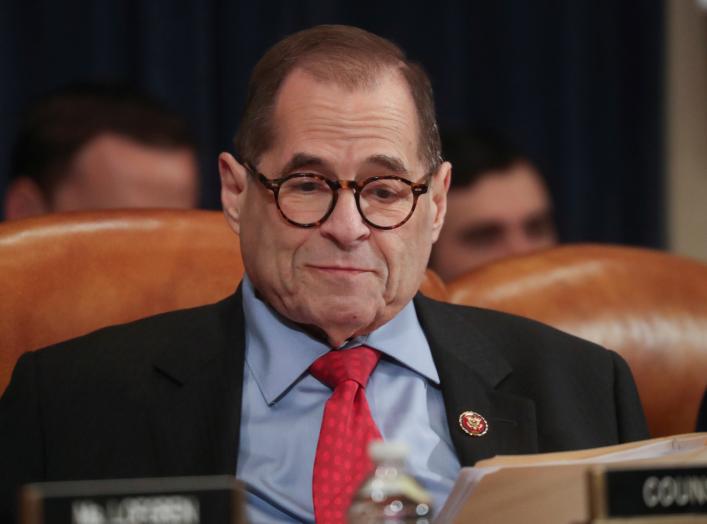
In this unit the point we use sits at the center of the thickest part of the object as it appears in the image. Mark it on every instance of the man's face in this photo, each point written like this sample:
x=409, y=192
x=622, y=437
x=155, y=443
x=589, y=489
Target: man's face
x=111, y=171
x=344, y=278
x=502, y=214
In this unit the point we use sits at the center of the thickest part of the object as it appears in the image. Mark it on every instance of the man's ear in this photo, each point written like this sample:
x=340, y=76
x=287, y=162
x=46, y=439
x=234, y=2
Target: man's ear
x=24, y=199
x=233, y=185
x=439, y=187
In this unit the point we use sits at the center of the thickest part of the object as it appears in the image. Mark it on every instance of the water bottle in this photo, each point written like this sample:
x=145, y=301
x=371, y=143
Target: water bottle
x=390, y=495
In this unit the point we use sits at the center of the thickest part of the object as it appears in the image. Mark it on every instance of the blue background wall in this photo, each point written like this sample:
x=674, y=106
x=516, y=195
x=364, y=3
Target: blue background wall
x=578, y=83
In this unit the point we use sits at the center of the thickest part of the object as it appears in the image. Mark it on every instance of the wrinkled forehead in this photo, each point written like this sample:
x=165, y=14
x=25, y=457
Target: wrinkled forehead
x=322, y=111
x=355, y=72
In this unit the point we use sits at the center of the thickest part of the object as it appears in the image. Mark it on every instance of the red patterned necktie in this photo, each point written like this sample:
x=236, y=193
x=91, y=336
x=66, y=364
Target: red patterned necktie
x=342, y=461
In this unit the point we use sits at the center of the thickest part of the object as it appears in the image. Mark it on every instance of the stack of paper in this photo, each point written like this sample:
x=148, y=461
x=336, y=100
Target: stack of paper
x=557, y=487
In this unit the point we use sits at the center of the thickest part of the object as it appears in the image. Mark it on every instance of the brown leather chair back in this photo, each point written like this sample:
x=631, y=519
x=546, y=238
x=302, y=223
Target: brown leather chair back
x=67, y=274
x=433, y=286
x=649, y=306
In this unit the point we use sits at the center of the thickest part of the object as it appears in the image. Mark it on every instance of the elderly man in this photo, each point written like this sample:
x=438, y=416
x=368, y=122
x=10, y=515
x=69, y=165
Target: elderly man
x=337, y=192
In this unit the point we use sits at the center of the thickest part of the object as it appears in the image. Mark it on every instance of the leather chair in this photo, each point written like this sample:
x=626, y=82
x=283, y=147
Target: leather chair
x=67, y=274
x=649, y=306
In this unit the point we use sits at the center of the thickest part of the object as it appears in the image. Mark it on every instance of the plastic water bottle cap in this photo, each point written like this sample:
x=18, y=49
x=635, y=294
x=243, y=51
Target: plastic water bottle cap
x=380, y=450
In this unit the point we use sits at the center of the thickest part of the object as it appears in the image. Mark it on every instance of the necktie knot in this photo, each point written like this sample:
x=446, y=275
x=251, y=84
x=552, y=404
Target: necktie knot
x=337, y=366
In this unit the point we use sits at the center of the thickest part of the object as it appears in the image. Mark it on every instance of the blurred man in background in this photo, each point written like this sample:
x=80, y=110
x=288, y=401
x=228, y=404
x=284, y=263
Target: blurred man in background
x=498, y=205
x=99, y=146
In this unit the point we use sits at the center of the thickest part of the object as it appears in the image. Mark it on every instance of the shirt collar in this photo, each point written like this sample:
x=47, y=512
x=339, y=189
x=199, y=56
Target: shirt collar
x=279, y=352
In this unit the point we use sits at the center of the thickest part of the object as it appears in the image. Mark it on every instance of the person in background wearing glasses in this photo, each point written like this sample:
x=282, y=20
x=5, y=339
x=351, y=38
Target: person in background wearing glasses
x=498, y=205
x=337, y=192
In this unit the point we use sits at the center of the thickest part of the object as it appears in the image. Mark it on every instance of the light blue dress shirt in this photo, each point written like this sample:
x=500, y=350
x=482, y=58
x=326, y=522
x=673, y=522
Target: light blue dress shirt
x=283, y=407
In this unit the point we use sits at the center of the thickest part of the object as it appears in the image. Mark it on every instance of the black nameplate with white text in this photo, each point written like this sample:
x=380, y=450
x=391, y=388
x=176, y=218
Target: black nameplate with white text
x=653, y=491
x=183, y=500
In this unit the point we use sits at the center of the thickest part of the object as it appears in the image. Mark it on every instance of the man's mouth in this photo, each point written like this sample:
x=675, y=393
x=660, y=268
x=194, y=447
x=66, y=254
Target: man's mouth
x=336, y=269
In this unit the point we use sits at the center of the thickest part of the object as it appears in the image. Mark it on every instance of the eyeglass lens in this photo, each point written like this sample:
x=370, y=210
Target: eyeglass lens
x=307, y=199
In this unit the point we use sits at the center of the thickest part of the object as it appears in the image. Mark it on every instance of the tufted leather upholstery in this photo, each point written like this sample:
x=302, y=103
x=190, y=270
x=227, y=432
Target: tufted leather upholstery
x=649, y=306
x=67, y=274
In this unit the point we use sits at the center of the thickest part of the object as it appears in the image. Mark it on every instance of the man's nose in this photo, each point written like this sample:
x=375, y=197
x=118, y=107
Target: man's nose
x=520, y=244
x=345, y=225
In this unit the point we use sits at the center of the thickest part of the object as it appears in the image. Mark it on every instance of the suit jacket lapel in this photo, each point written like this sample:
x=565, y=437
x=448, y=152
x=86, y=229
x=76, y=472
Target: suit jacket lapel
x=471, y=369
x=197, y=404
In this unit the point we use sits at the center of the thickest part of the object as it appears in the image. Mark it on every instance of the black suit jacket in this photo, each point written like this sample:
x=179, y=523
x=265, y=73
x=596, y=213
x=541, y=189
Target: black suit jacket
x=162, y=396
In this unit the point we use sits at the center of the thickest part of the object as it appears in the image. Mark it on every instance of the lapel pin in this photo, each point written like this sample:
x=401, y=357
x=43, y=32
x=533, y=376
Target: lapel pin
x=473, y=424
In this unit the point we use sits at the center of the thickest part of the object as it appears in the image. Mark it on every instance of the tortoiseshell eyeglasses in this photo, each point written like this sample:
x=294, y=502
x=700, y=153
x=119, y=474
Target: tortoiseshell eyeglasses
x=308, y=199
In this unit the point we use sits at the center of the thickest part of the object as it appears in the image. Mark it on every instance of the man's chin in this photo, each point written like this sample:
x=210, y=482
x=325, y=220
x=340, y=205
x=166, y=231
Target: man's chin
x=334, y=281
x=352, y=315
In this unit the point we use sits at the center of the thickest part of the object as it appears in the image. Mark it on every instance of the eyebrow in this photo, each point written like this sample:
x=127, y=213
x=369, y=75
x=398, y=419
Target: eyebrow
x=390, y=163
x=546, y=215
x=300, y=160
x=481, y=229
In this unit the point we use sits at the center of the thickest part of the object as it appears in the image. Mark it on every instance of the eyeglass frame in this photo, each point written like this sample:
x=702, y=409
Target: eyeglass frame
x=418, y=188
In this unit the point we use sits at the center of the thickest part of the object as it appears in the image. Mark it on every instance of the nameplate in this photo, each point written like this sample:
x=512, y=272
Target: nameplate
x=174, y=500
x=651, y=491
